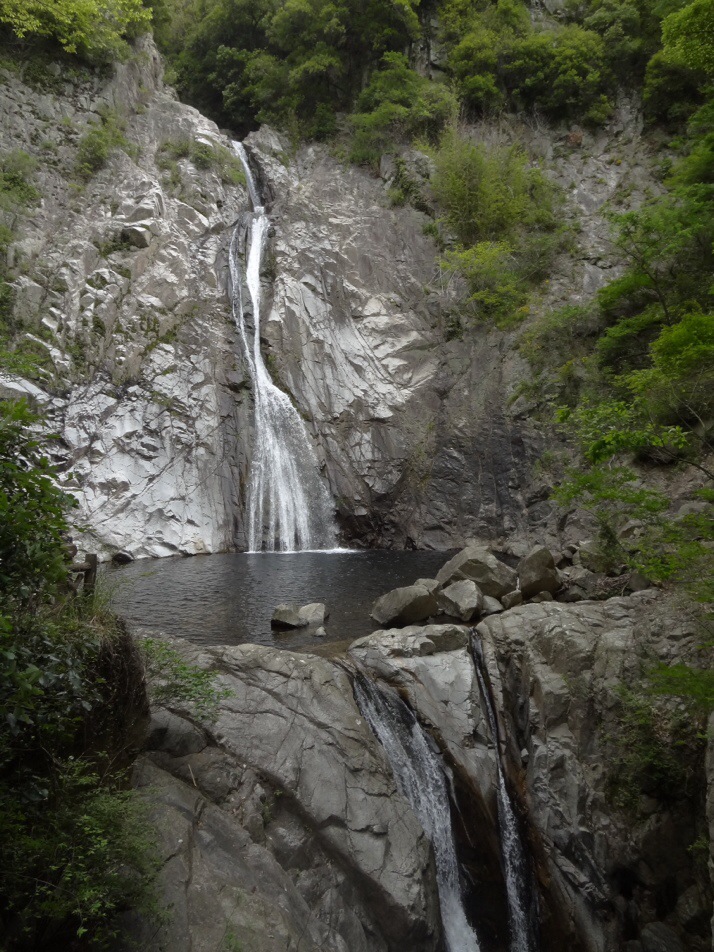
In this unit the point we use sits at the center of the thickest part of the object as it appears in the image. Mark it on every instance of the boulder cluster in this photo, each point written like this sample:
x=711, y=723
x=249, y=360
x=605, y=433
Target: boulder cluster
x=475, y=584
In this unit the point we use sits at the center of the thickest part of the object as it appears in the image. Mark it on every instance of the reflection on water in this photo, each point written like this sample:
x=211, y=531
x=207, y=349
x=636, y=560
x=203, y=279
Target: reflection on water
x=229, y=599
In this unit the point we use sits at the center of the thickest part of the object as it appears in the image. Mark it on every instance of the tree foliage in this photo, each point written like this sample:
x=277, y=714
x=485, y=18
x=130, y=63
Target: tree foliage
x=96, y=29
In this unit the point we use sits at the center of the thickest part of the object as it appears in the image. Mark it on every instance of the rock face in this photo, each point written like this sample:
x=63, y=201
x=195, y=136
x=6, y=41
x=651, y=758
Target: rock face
x=291, y=782
x=123, y=285
x=557, y=671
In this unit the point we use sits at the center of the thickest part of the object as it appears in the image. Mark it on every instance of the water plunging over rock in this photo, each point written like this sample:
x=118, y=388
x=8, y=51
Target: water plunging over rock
x=421, y=779
x=289, y=506
x=522, y=916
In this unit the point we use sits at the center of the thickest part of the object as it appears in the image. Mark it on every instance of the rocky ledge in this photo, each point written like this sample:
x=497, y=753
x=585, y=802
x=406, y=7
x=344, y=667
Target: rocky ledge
x=281, y=823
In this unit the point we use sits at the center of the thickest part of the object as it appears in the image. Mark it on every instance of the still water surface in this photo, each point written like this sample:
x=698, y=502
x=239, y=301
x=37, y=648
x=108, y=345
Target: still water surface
x=229, y=599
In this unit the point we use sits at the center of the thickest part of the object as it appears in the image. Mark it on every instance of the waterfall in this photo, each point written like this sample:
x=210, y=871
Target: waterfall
x=421, y=779
x=515, y=860
x=289, y=507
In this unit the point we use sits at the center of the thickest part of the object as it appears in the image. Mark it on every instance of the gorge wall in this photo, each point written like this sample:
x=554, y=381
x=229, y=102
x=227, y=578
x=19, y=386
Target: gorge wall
x=122, y=282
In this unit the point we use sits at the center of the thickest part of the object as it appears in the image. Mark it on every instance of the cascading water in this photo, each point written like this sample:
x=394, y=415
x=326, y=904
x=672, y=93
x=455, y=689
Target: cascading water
x=289, y=506
x=515, y=861
x=420, y=778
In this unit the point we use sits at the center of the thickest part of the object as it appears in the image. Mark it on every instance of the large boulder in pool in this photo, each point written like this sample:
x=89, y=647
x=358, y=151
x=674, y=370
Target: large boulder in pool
x=296, y=616
x=405, y=606
x=476, y=563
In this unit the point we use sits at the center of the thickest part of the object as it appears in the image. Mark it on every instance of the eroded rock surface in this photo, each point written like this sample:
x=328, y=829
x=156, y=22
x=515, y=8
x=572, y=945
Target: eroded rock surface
x=123, y=287
x=619, y=873
x=291, y=777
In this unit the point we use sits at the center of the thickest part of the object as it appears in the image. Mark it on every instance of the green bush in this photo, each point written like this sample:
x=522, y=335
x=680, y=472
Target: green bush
x=71, y=692
x=560, y=72
x=97, y=145
x=502, y=213
x=96, y=29
x=398, y=105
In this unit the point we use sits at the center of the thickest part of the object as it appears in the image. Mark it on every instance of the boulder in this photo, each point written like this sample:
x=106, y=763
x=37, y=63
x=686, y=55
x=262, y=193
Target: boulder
x=476, y=563
x=463, y=600
x=589, y=556
x=537, y=572
x=415, y=641
x=405, y=606
x=512, y=599
x=295, y=616
x=542, y=597
x=580, y=583
x=429, y=583
x=491, y=606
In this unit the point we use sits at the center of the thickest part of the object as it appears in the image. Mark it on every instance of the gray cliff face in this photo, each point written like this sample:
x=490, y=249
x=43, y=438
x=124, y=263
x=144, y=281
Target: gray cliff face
x=413, y=430
x=123, y=281
x=290, y=776
x=621, y=874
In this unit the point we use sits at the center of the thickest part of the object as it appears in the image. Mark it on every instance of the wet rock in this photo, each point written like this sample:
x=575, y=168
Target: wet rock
x=477, y=564
x=557, y=671
x=296, y=616
x=303, y=810
x=462, y=600
x=537, y=572
x=413, y=641
x=405, y=606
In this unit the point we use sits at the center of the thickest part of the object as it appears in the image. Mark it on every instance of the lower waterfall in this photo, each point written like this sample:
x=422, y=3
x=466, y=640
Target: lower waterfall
x=421, y=779
x=515, y=860
x=289, y=507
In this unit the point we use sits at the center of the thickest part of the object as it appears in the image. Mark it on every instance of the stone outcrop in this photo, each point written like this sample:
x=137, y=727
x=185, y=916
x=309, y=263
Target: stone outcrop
x=624, y=876
x=290, y=781
x=123, y=284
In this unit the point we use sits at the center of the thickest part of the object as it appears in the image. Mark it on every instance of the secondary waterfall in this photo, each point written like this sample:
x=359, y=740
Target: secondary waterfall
x=420, y=778
x=289, y=506
x=515, y=860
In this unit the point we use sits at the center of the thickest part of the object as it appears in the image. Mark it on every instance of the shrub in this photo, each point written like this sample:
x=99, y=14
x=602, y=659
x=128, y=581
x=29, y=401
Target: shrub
x=398, y=105
x=96, y=29
x=502, y=213
x=561, y=72
x=97, y=145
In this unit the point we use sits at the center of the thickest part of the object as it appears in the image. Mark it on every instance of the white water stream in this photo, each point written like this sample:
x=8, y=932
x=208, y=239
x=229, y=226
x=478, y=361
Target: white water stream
x=515, y=861
x=420, y=778
x=289, y=507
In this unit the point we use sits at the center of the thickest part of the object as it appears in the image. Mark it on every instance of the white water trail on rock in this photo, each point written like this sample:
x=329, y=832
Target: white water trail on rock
x=289, y=506
x=515, y=861
x=421, y=779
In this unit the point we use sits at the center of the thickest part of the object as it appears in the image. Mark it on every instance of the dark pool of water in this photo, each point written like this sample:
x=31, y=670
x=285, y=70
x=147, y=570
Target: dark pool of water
x=229, y=599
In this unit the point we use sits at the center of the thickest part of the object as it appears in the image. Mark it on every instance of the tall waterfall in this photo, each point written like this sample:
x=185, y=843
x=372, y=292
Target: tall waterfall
x=421, y=779
x=515, y=861
x=289, y=506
